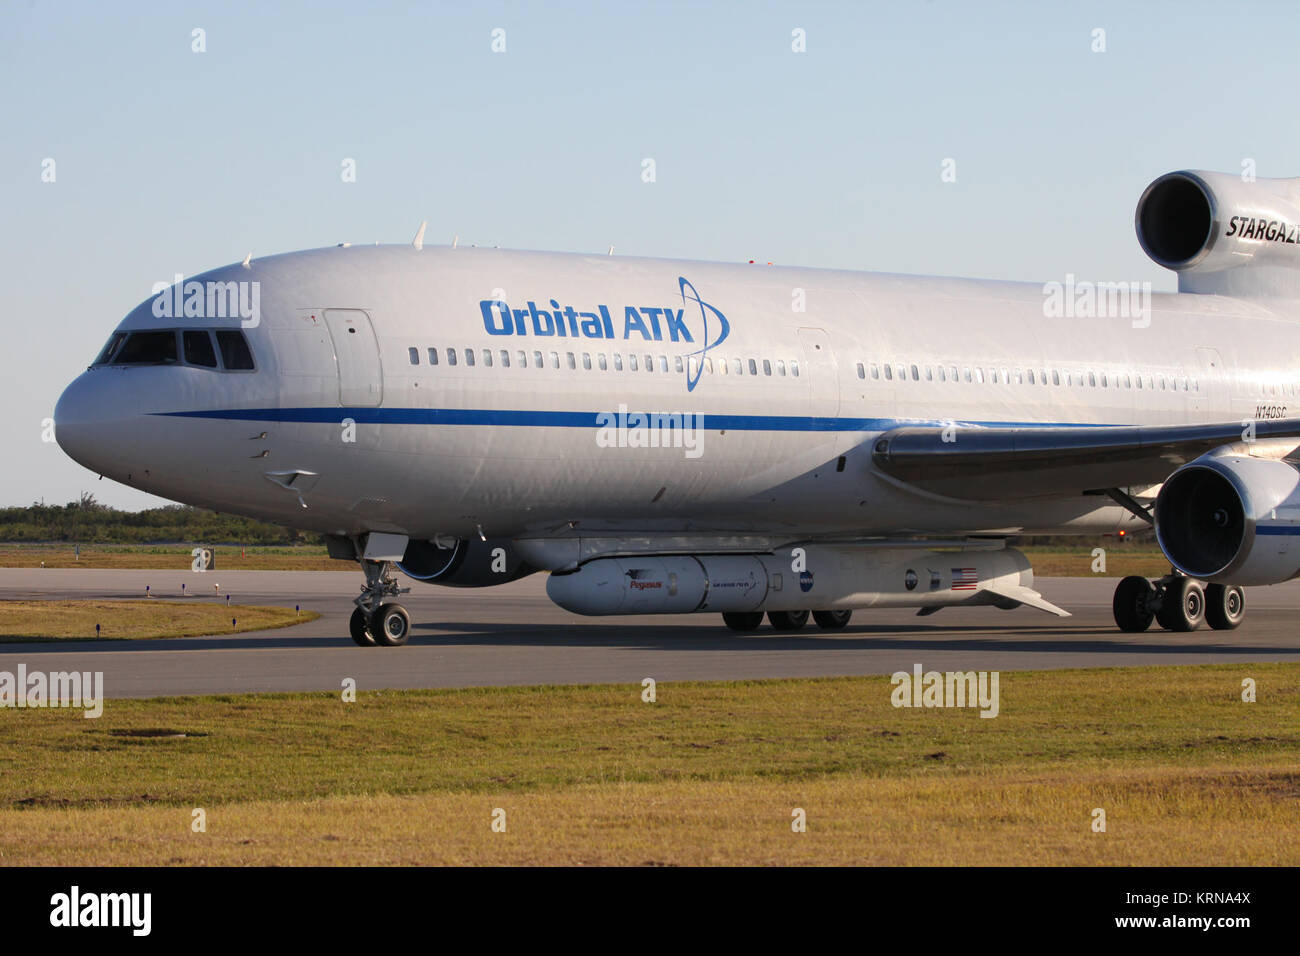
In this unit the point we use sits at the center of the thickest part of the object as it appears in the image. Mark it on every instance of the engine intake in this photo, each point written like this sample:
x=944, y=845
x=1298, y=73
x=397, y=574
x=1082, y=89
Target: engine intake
x=1231, y=519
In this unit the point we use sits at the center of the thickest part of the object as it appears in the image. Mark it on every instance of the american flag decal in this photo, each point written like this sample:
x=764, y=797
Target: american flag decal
x=964, y=579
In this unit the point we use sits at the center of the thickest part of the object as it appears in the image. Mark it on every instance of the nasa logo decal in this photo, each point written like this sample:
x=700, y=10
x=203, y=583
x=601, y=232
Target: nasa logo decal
x=805, y=580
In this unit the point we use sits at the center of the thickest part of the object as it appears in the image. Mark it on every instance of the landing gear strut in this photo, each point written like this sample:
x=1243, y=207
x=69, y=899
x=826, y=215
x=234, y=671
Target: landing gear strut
x=374, y=622
x=1178, y=603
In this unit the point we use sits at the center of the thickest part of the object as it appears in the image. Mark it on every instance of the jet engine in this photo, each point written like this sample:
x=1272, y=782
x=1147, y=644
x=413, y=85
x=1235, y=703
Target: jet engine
x=1231, y=520
x=1221, y=234
x=464, y=562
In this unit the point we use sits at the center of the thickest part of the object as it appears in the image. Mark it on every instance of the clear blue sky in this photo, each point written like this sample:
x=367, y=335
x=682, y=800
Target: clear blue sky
x=173, y=161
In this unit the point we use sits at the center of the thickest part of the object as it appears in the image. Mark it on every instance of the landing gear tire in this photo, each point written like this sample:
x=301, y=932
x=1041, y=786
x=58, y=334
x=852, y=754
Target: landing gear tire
x=1225, y=606
x=359, y=626
x=742, y=620
x=787, y=620
x=1132, y=604
x=391, y=625
x=831, y=620
x=1183, y=605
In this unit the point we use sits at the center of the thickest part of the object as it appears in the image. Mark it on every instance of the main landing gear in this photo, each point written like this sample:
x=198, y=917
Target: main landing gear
x=1178, y=603
x=374, y=622
x=785, y=620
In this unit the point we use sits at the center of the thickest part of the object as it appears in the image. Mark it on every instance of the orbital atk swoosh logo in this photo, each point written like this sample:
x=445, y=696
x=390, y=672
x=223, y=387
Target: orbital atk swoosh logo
x=696, y=323
x=723, y=330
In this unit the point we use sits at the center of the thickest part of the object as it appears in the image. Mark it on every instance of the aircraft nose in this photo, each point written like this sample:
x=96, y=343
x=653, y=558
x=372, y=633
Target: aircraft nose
x=82, y=420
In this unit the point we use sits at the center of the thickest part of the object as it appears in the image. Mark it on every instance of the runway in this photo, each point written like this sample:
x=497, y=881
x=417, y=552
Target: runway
x=513, y=635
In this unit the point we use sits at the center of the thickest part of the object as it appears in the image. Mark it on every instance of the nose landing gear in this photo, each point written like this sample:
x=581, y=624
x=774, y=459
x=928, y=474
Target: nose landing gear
x=1178, y=603
x=374, y=622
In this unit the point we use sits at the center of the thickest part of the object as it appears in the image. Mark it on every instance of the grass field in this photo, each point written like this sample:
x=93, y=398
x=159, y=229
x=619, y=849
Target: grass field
x=1143, y=559
x=128, y=620
x=710, y=773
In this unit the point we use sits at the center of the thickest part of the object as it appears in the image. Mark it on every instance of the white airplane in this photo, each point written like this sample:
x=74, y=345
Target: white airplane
x=673, y=437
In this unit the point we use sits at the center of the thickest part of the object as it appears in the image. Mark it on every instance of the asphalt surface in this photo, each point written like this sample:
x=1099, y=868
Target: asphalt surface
x=513, y=635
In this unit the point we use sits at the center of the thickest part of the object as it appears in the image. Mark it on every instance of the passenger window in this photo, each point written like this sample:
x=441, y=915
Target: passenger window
x=889, y=373
x=602, y=363
x=916, y=375
x=663, y=363
x=487, y=357
x=148, y=348
x=677, y=363
x=522, y=358
x=198, y=348
x=234, y=350
x=505, y=358
x=537, y=360
x=451, y=356
x=469, y=357
x=570, y=360
x=875, y=371
x=433, y=356
x=1056, y=377
x=1031, y=377
x=929, y=374
x=1092, y=380
x=952, y=372
x=942, y=377
x=586, y=361
x=708, y=365
x=618, y=361
x=412, y=353
x=862, y=372
x=794, y=368
x=780, y=367
x=737, y=367
x=753, y=367
x=555, y=360
x=631, y=364
x=979, y=376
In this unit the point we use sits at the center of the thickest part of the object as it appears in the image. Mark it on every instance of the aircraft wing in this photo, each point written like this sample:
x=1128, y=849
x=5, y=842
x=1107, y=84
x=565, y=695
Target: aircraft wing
x=987, y=464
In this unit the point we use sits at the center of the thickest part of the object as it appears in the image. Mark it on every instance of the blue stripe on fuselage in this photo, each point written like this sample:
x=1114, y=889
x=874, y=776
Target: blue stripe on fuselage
x=530, y=418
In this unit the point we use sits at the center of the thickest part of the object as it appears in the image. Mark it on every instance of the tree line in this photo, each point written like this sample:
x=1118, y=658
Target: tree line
x=88, y=522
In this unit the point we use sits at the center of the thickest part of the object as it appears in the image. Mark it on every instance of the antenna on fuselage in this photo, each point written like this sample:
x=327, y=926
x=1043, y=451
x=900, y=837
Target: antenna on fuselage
x=611, y=251
x=248, y=261
x=418, y=241
x=455, y=241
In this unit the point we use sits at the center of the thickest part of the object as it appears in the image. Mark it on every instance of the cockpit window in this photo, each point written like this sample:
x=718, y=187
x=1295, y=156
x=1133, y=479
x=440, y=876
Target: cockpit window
x=234, y=350
x=147, y=348
x=198, y=348
x=114, y=341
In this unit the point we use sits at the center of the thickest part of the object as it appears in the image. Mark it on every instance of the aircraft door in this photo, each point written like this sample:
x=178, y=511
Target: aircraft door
x=356, y=351
x=822, y=371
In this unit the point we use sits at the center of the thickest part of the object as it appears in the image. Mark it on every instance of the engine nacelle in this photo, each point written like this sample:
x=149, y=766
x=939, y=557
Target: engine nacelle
x=466, y=563
x=1231, y=519
x=828, y=578
x=1222, y=235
